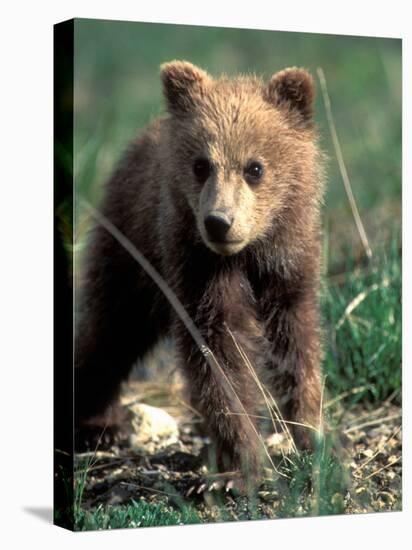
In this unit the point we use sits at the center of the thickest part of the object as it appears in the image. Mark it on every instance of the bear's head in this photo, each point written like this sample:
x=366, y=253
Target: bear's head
x=243, y=153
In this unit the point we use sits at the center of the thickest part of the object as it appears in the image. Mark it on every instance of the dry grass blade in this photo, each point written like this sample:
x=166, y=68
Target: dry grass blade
x=390, y=463
x=101, y=466
x=248, y=416
x=270, y=401
x=367, y=416
x=372, y=423
x=273, y=408
x=341, y=162
x=257, y=416
x=379, y=450
x=189, y=407
x=320, y=427
x=341, y=396
x=358, y=300
x=150, y=489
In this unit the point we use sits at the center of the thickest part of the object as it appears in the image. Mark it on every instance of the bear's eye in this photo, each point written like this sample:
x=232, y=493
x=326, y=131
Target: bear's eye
x=253, y=172
x=202, y=169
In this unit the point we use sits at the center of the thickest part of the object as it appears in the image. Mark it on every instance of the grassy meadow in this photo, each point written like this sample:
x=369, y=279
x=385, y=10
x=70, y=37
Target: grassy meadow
x=117, y=92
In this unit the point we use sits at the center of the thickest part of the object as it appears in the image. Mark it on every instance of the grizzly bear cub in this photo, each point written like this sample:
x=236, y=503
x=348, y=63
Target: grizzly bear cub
x=222, y=198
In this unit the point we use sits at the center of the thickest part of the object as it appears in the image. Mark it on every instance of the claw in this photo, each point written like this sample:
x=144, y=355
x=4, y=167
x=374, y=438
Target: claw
x=215, y=485
x=201, y=488
x=190, y=491
x=229, y=485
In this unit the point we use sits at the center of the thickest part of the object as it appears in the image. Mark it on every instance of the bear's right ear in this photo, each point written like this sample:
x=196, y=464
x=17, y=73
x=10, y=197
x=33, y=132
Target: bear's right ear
x=184, y=85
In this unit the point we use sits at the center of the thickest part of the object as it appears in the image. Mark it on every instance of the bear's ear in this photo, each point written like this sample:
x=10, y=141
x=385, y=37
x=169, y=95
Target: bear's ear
x=184, y=85
x=294, y=90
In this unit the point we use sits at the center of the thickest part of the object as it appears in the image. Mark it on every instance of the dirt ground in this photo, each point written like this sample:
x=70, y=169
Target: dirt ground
x=170, y=471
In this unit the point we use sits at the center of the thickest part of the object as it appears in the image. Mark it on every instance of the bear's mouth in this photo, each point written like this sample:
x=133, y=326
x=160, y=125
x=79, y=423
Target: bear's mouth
x=226, y=248
x=226, y=242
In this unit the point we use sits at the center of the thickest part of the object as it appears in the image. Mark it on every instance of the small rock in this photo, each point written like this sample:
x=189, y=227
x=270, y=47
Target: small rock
x=278, y=443
x=269, y=496
x=154, y=429
x=368, y=453
x=118, y=495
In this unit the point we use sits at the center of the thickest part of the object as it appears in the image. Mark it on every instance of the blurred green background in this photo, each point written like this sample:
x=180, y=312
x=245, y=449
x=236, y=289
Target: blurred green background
x=118, y=91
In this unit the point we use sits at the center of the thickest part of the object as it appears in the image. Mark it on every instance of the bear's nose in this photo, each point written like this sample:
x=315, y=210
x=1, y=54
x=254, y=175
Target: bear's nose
x=217, y=225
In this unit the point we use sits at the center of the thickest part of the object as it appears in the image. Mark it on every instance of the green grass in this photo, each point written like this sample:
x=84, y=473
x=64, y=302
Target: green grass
x=364, y=347
x=317, y=484
x=136, y=514
x=80, y=480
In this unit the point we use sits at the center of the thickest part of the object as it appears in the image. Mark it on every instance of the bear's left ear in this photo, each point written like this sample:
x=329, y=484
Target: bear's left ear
x=184, y=85
x=294, y=90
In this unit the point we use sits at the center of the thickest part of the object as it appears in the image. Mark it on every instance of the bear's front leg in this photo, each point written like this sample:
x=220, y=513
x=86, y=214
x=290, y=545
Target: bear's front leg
x=221, y=384
x=294, y=366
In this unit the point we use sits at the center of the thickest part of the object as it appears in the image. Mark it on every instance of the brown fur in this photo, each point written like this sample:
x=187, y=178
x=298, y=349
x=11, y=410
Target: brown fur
x=261, y=284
